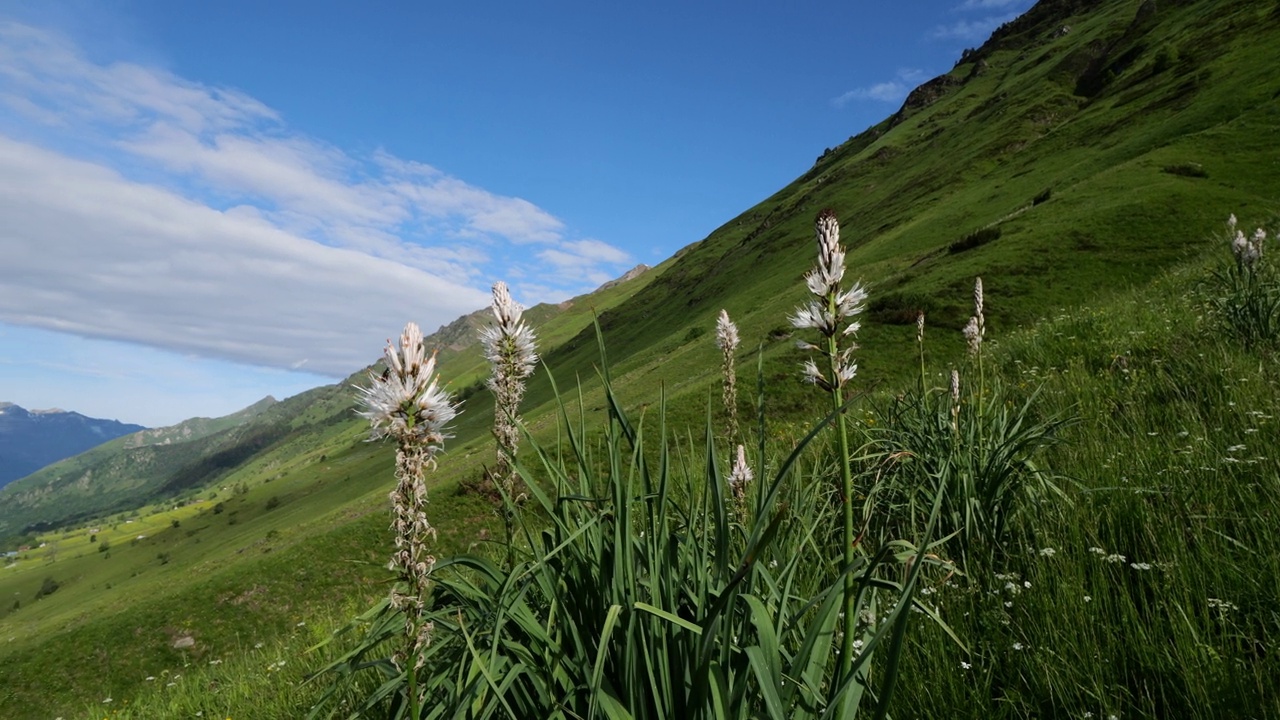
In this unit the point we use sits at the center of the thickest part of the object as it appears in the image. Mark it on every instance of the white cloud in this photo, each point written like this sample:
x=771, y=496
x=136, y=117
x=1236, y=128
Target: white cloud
x=890, y=91
x=584, y=253
x=973, y=31
x=144, y=207
x=91, y=253
x=986, y=4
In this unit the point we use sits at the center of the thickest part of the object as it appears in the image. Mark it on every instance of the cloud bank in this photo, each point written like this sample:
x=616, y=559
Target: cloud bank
x=143, y=207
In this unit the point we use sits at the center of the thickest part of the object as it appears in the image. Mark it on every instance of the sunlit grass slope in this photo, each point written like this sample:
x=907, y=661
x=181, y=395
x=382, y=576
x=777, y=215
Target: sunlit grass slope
x=1083, y=151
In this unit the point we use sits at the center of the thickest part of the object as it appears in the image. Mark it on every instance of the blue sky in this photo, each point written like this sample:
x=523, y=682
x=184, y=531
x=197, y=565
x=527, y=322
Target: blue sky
x=205, y=203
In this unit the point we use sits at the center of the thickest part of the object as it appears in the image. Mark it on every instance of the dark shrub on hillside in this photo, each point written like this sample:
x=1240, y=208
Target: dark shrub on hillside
x=1042, y=197
x=694, y=333
x=1190, y=169
x=48, y=587
x=273, y=503
x=978, y=237
x=462, y=395
x=900, y=308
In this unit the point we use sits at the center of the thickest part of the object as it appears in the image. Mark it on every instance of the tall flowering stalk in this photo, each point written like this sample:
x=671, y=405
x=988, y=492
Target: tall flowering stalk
x=509, y=348
x=831, y=313
x=727, y=340
x=920, y=346
x=407, y=404
x=975, y=331
x=955, y=401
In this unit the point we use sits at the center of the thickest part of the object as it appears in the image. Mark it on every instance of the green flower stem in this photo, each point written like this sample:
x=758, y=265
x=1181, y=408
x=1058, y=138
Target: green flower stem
x=846, y=498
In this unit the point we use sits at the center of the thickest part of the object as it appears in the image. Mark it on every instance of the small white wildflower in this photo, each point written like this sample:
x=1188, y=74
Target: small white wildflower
x=301, y=624
x=1008, y=603
x=1088, y=598
x=1026, y=584
x=964, y=665
x=1140, y=566
x=149, y=678
x=257, y=646
x=1018, y=646
x=1221, y=605
x=1047, y=552
x=106, y=701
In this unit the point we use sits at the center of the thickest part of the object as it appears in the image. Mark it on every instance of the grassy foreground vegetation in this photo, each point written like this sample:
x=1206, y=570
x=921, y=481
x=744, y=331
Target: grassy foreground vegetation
x=1144, y=588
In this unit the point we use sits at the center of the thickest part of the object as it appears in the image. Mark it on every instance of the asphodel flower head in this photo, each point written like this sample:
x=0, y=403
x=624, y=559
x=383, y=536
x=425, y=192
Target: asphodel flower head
x=978, y=305
x=726, y=333
x=509, y=342
x=727, y=340
x=832, y=309
x=406, y=401
x=509, y=348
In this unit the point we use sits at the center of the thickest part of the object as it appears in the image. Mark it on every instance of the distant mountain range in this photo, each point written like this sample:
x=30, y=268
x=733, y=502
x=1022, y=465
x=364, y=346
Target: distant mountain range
x=32, y=439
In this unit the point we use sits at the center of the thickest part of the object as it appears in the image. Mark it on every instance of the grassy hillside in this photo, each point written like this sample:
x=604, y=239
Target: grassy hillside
x=1072, y=160
x=149, y=465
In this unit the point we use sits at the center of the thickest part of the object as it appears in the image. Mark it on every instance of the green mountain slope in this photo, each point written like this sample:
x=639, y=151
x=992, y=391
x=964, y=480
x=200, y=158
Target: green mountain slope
x=133, y=470
x=1084, y=149
x=1131, y=176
